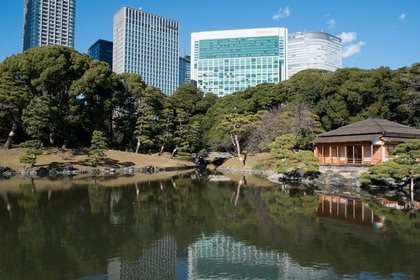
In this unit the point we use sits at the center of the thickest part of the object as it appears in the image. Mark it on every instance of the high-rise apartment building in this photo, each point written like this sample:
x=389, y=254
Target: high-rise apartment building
x=148, y=45
x=184, y=69
x=102, y=50
x=48, y=22
x=231, y=60
x=313, y=50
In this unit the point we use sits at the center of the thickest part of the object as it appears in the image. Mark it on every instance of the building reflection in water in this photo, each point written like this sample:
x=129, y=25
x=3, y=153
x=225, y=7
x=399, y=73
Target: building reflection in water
x=221, y=257
x=158, y=262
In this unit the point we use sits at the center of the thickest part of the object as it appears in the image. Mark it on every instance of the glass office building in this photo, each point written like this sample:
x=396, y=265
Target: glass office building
x=148, y=45
x=227, y=61
x=313, y=50
x=48, y=22
x=102, y=50
x=184, y=69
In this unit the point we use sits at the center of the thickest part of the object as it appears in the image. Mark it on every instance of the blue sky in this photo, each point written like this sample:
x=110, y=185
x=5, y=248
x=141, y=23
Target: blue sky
x=375, y=32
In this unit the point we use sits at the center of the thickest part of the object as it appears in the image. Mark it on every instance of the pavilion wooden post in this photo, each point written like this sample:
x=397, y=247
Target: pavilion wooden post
x=354, y=160
x=363, y=154
x=337, y=201
x=371, y=154
x=337, y=154
x=330, y=148
x=354, y=209
x=331, y=201
x=345, y=207
x=363, y=212
x=345, y=154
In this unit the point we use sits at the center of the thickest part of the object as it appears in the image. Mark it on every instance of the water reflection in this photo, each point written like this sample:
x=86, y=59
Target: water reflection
x=132, y=227
x=222, y=257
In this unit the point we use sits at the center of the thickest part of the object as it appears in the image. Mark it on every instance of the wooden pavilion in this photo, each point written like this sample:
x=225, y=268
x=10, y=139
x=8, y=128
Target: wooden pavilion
x=365, y=142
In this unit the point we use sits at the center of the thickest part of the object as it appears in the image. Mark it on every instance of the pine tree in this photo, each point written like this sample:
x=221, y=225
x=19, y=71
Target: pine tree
x=37, y=118
x=30, y=156
x=283, y=149
x=405, y=165
x=237, y=126
x=98, y=146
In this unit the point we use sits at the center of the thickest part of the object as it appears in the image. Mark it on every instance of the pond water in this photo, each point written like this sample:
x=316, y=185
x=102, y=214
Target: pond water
x=185, y=226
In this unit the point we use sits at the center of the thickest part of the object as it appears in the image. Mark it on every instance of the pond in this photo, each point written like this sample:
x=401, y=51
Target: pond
x=191, y=226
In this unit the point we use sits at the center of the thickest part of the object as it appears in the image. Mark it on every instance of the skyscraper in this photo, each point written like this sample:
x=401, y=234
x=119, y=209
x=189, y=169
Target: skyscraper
x=102, y=50
x=48, y=22
x=313, y=50
x=148, y=45
x=227, y=61
x=184, y=69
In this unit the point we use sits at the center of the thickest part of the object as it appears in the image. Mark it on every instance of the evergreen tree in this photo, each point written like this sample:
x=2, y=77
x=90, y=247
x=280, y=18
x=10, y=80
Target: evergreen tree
x=404, y=165
x=237, y=127
x=149, y=108
x=38, y=118
x=98, y=146
x=30, y=156
x=283, y=149
x=166, y=123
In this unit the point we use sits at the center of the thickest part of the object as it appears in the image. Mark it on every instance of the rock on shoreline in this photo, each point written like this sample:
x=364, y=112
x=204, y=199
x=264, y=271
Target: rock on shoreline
x=328, y=177
x=6, y=172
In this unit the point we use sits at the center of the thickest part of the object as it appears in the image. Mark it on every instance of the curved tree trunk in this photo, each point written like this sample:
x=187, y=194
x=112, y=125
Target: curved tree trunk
x=173, y=152
x=11, y=135
x=238, y=149
x=162, y=147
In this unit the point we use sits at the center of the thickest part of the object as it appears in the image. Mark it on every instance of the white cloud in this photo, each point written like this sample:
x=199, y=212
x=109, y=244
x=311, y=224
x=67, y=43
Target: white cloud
x=348, y=37
x=402, y=16
x=331, y=23
x=352, y=49
x=282, y=13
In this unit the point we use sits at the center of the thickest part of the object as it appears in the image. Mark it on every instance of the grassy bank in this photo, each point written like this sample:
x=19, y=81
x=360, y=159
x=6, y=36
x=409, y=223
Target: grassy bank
x=252, y=161
x=57, y=158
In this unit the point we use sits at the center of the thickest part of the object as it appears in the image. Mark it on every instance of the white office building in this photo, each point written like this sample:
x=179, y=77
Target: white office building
x=223, y=62
x=48, y=22
x=148, y=45
x=313, y=50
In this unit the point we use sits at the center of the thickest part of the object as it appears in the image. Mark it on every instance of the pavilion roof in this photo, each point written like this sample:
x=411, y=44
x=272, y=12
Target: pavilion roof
x=368, y=130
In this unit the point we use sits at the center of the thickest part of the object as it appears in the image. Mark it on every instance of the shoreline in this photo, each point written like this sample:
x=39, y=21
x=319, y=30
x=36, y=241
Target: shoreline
x=6, y=172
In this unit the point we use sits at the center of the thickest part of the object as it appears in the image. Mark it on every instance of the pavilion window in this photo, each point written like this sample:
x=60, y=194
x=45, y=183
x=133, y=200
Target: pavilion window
x=367, y=153
x=342, y=153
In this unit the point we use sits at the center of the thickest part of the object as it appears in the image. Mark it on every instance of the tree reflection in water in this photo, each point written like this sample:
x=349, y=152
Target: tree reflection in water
x=98, y=229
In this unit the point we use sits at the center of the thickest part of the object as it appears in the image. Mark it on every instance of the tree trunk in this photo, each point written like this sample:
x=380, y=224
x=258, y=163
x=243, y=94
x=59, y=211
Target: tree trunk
x=173, y=152
x=11, y=135
x=162, y=147
x=233, y=142
x=412, y=184
x=138, y=146
x=238, y=149
x=240, y=183
x=51, y=140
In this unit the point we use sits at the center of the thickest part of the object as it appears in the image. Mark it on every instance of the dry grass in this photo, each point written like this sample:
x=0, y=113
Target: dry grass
x=251, y=161
x=58, y=158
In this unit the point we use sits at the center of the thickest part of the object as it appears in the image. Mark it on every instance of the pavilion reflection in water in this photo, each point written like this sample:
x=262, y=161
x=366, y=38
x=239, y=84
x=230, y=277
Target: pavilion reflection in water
x=352, y=210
